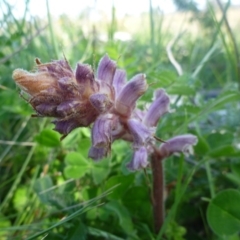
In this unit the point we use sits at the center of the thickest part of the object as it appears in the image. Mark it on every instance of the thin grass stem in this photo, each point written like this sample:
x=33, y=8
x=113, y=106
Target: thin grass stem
x=51, y=30
x=210, y=178
x=231, y=36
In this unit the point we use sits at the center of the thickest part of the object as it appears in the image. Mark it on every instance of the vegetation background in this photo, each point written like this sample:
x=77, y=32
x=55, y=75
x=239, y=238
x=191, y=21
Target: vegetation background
x=49, y=189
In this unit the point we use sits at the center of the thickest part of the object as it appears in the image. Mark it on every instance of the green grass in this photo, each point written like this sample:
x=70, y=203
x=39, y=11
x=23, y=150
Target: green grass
x=39, y=200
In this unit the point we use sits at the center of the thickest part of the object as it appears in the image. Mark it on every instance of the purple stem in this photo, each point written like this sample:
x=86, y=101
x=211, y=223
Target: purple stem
x=158, y=190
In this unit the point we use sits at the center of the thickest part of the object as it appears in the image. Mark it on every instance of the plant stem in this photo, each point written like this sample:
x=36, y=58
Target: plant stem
x=158, y=190
x=210, y=178
x=234, y=42
x=55, y=48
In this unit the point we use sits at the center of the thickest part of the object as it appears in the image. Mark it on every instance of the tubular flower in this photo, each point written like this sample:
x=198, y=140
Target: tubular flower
x=107, y=101
x=131, y=91
x=139, y=159
x=141, y=133
x=181, y=143
x=157, y=109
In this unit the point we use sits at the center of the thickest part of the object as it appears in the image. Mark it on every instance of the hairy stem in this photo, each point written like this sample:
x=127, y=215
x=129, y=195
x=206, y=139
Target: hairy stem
x=158, y=190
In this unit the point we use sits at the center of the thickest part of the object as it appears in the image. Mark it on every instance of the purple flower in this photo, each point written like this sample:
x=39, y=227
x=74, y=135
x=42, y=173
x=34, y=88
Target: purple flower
x=101, y=131
x=119, y=81
x=97, y=153
x=107, y=102
x=106, y=70
x=84, y=74
x=101, y=102
x=139, y=159
x=141, y=133
x=72, y=98
x=181, y=143
x=158, y=108
x=126, y=100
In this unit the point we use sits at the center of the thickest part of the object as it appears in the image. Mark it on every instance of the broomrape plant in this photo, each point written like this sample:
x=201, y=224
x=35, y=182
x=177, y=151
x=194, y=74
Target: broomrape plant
x=107, y=101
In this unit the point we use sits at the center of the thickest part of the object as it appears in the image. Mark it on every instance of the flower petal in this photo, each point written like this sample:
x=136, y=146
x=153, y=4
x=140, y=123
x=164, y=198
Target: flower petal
x=119, y=80
x=141, y=134
x=139, y=160
x=69, y=107
x=157, y=109
x=100, y=102
x=46, y=109
x=127, y=98
x=106, y=70
x=101, y=131
x=65, y=126
x=97, y=153
x=84, y=74
x=57, y=68
x=181, y=143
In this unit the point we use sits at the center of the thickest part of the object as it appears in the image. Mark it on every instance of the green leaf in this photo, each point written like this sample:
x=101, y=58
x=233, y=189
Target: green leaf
x=78, y=232
x=4, y=222
x=223, y=151
x=84, y=145
x=164, y=78
x=218, y=139
x=136, y=199
x=202, y=146
x=181, y=89
x=100, y=170
x=123, y=215
x=75, y=171
x=223, y=213
x=236, y=169
x=100, y=234
x=122, y=183
x=72, y=139
x=90, y=192
x=235, y=179
x=235, y=175
x=223, y=99
x=42, y=186
x=77, y=165
x=48, y=138
x=216, y=104
x=20, y=198
x=76, y=159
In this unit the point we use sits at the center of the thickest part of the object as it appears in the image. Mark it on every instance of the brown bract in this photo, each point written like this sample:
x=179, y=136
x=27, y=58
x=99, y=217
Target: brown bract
x=54, y=90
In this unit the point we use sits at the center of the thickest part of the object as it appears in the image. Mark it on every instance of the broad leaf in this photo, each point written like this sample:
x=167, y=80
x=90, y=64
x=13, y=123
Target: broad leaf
x=223, y=213
x=48, y=138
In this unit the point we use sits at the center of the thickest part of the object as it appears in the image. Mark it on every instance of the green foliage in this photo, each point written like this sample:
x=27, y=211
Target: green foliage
x=48, y=138
x=76, y=165
x=223, y=213
x=50, y=189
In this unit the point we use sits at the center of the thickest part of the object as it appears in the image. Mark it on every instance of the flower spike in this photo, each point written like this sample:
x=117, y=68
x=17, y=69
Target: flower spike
x=106, y=103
